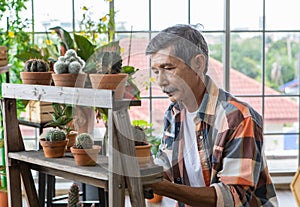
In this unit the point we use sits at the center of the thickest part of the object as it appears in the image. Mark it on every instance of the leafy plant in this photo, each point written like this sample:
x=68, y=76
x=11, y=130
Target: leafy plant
x=155, y=141
x=61, y=117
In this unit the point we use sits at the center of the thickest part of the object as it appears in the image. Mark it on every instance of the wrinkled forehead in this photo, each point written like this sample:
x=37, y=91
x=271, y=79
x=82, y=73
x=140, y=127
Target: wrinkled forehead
x=164, y=56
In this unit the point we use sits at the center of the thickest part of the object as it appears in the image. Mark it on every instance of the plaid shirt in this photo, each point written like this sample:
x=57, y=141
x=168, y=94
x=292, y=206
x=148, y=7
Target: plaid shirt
x=229, y=135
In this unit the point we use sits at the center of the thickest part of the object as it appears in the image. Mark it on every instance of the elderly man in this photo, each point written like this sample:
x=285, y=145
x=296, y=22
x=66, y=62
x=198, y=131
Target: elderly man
x=212, y=148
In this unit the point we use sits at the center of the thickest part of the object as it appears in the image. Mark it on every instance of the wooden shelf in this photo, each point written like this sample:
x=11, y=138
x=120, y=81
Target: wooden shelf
x=66, y=167
x=113, y=173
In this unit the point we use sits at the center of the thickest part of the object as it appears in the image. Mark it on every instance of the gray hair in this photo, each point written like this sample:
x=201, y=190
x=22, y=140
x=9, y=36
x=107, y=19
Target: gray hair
x=186, y=41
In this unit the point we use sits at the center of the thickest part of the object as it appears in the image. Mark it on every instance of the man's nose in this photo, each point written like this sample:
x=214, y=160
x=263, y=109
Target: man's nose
x=162, y=78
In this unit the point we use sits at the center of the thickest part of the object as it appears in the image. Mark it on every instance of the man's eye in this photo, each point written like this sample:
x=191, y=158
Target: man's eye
x=155, y=72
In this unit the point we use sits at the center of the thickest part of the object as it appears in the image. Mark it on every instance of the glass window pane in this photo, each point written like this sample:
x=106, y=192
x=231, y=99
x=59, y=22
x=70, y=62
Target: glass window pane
x=210, y=14
x=159, y=106
x=282, y=15
x=215, y=66
x=168, y=13
x=132, y=14
x=48, y=14
x=283, y=62
x=246, y=15
x=281, y=113
x=280, y=156
x=246, y=66
x=90, y=11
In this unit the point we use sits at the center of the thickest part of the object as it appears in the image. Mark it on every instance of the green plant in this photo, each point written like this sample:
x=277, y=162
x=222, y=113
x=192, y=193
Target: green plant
x=147, y=129
x=69, y=63
x=36, y=65
x=53, y=135
x=73, y=196
x=61, y=117
x=84, y=141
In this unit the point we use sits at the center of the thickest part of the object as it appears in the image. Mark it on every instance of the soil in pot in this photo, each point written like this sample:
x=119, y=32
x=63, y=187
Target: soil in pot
x=38, y=78
x=114, y=82
x=69, y=80
x=53, y=149
x=86, y=157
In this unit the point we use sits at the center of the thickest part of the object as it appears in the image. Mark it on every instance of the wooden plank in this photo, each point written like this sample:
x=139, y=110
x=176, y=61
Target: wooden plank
x=31, y=193
x=116, y=195
x=12, y=142
x=127, y=154
x=68, y=95
x=14, y=185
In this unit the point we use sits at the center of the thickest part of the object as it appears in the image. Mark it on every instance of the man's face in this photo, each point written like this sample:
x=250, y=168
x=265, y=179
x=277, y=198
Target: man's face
x=174, y=77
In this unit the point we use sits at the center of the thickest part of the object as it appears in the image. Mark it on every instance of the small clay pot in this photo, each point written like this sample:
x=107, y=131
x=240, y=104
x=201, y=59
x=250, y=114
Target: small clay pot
x=53, y=149
x=86, y=157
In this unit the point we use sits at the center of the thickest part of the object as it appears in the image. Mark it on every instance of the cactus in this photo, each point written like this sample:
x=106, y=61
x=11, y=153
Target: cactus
x=53, y=135
x=109, y=63
x=36, y=65
x=73, y=196
x=84, y=141
x=69, y=63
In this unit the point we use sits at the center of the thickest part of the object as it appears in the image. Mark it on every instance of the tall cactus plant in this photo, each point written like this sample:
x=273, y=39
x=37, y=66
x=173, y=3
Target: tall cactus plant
x=73, y=196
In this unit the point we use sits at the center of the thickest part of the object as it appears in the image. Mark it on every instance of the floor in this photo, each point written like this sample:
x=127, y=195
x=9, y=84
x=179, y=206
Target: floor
x=285, y=198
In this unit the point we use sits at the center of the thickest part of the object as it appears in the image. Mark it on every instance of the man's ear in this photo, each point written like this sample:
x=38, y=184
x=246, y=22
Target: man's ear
x=198, y=63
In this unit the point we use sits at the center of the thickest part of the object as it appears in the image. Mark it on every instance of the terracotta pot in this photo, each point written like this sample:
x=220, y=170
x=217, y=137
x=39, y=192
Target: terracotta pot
x=69, y=80
x=71, y=140
x=38, y=78
x=86, y=157
x=53, y=149
x=156, y=199
x=143, y=153
x=114, y=82
x=3, y=199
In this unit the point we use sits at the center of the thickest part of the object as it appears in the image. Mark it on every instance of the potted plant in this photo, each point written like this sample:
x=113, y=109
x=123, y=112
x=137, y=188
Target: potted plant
x=104, y=69
x=62, y=118
x=36, y=71
x=85, y=152
x=154, y=142
x=54, y=143
x=142, y=146
x=68, y=70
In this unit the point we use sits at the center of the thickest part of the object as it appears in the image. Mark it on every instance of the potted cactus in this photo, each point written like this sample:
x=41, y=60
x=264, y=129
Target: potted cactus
x=62, y=118
x=85, y=152
x=68, y=70
x=105, y=69
x=54, y=143
x=36, y=71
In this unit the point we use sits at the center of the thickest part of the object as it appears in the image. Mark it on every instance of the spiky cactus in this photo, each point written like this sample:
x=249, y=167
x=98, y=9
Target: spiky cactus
x=53, y=135
x=36, y=65
x=73, y=196
x=109, y=63
x=69, y=63
x=84, y=141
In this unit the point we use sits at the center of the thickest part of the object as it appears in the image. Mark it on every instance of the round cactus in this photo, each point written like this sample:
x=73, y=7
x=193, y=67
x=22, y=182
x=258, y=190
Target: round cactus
x=53, y=135
x=84, y=141
x=73, y=196
x=69, y=63
x=36, y=65
x=74, y=67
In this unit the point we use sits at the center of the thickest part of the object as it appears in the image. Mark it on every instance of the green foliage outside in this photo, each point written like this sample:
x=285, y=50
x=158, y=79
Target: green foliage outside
x=246, y=57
